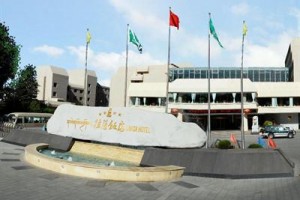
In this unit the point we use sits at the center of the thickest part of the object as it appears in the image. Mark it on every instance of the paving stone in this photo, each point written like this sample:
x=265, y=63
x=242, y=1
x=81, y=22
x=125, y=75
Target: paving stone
x=11, y=154
x=50, y=177
x=96, y=183
x=22, y=167
x=185, y=184
x=146, y=187
x=9, y=160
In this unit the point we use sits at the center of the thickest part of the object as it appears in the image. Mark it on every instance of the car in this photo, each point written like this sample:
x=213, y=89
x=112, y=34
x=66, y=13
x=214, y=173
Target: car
x=273, y=131
x=291, y=129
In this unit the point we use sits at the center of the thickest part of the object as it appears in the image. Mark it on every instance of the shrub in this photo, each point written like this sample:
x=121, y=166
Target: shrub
x=254, y=146
x=224, y=144
x=267, y=123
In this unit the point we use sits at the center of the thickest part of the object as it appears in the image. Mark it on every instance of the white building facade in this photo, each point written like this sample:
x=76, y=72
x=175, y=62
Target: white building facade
x=57, y=85
x=271, y=93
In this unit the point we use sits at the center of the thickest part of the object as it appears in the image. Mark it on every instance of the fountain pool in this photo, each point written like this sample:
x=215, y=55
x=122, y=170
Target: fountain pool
x=84, y=158
x=66, y=163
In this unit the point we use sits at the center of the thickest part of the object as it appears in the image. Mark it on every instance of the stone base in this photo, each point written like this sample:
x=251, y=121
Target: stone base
x=235, y=163
x=33, y=136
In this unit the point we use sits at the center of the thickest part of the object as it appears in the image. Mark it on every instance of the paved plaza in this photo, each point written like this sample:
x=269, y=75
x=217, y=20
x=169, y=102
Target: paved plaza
x=20, y=180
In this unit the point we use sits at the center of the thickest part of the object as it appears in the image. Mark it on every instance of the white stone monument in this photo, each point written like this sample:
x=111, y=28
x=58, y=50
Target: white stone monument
x=126, y=126
x=255, y=127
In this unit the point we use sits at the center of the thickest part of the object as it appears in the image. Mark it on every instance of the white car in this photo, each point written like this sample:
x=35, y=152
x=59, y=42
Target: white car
x=278, y=131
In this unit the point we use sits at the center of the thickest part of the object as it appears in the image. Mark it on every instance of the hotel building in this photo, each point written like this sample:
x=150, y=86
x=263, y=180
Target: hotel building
x=270, y=93
x=57, y=86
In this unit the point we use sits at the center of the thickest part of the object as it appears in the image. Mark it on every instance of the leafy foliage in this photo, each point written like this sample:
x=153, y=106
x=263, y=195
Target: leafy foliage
x=26, y=84
x=9, y=56
x=18, y=87
x=21, y=92
x=267, y=123
x=224, y=144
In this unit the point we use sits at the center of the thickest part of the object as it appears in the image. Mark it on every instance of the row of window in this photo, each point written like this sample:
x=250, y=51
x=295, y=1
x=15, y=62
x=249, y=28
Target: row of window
x=215, y=98
x=54, y=94
x=75, y=90
x=255, y=74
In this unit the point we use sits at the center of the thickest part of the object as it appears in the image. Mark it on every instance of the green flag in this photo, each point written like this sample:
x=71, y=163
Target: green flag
x=213, y=32
x=134, y=40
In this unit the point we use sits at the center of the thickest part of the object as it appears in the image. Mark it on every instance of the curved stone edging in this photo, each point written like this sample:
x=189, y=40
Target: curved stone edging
x=138, y=174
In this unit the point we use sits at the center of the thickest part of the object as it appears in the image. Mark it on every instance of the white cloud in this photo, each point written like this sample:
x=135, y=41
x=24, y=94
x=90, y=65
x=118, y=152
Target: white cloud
x=105, y=82
x=271, y=54
x=240, y=9
x=186, y=44
x=140, y=14
x=79, y=53
x=108, y=62
x=50, y=50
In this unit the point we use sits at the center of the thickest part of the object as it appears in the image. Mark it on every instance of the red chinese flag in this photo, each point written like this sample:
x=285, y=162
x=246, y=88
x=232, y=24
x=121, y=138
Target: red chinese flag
x=174, y=20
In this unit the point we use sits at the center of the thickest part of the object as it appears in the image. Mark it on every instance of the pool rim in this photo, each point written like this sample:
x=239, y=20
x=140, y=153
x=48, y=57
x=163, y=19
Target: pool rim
x=115, y=173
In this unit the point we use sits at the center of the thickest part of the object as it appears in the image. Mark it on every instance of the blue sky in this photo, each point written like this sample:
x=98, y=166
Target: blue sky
x=53, y=32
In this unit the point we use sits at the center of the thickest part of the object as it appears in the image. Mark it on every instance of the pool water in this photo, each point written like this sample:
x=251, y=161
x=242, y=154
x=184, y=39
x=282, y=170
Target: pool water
x=83, y=158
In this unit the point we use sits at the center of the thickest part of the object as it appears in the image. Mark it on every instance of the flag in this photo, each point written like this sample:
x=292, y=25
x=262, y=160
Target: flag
x=134, y=40
x=245, y=29
x=233, y=139
x=174, y=20
x=88, y=37
x=271, y=143
x=213, y=32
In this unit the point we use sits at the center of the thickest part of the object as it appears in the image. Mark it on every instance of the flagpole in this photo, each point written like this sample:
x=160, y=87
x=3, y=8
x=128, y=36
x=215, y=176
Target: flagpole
x=126, y=67
x=242, y=94
x=85, y=72
x=208, y=95
x=168, y=69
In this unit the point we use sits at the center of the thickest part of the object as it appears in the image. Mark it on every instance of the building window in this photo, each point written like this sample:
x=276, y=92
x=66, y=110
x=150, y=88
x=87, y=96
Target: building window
x=89, y=92
x=54, y=94
x=75, y=90
x=81, y=91
x=89, y=85
x=88, y=99
x=54, y=84
x=80, y=98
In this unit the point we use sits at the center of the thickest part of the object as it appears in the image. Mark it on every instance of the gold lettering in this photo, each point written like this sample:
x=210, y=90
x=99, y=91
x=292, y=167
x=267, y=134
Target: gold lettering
x=112, y=125
x=98, y=123
x=104, y=125
x=138, y=129
x=121, y=127
x=143, y=130
x=109, y=112
x=83, y=124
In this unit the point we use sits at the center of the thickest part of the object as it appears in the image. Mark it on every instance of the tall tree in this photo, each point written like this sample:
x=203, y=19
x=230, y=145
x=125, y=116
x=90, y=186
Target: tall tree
x=22, y=90
x=9, y=56
x=26, y=85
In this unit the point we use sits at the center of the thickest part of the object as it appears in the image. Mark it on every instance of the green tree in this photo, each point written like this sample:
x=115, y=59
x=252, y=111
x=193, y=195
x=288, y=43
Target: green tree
x=21, y=91
x=26, y=86
x=9, y=56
